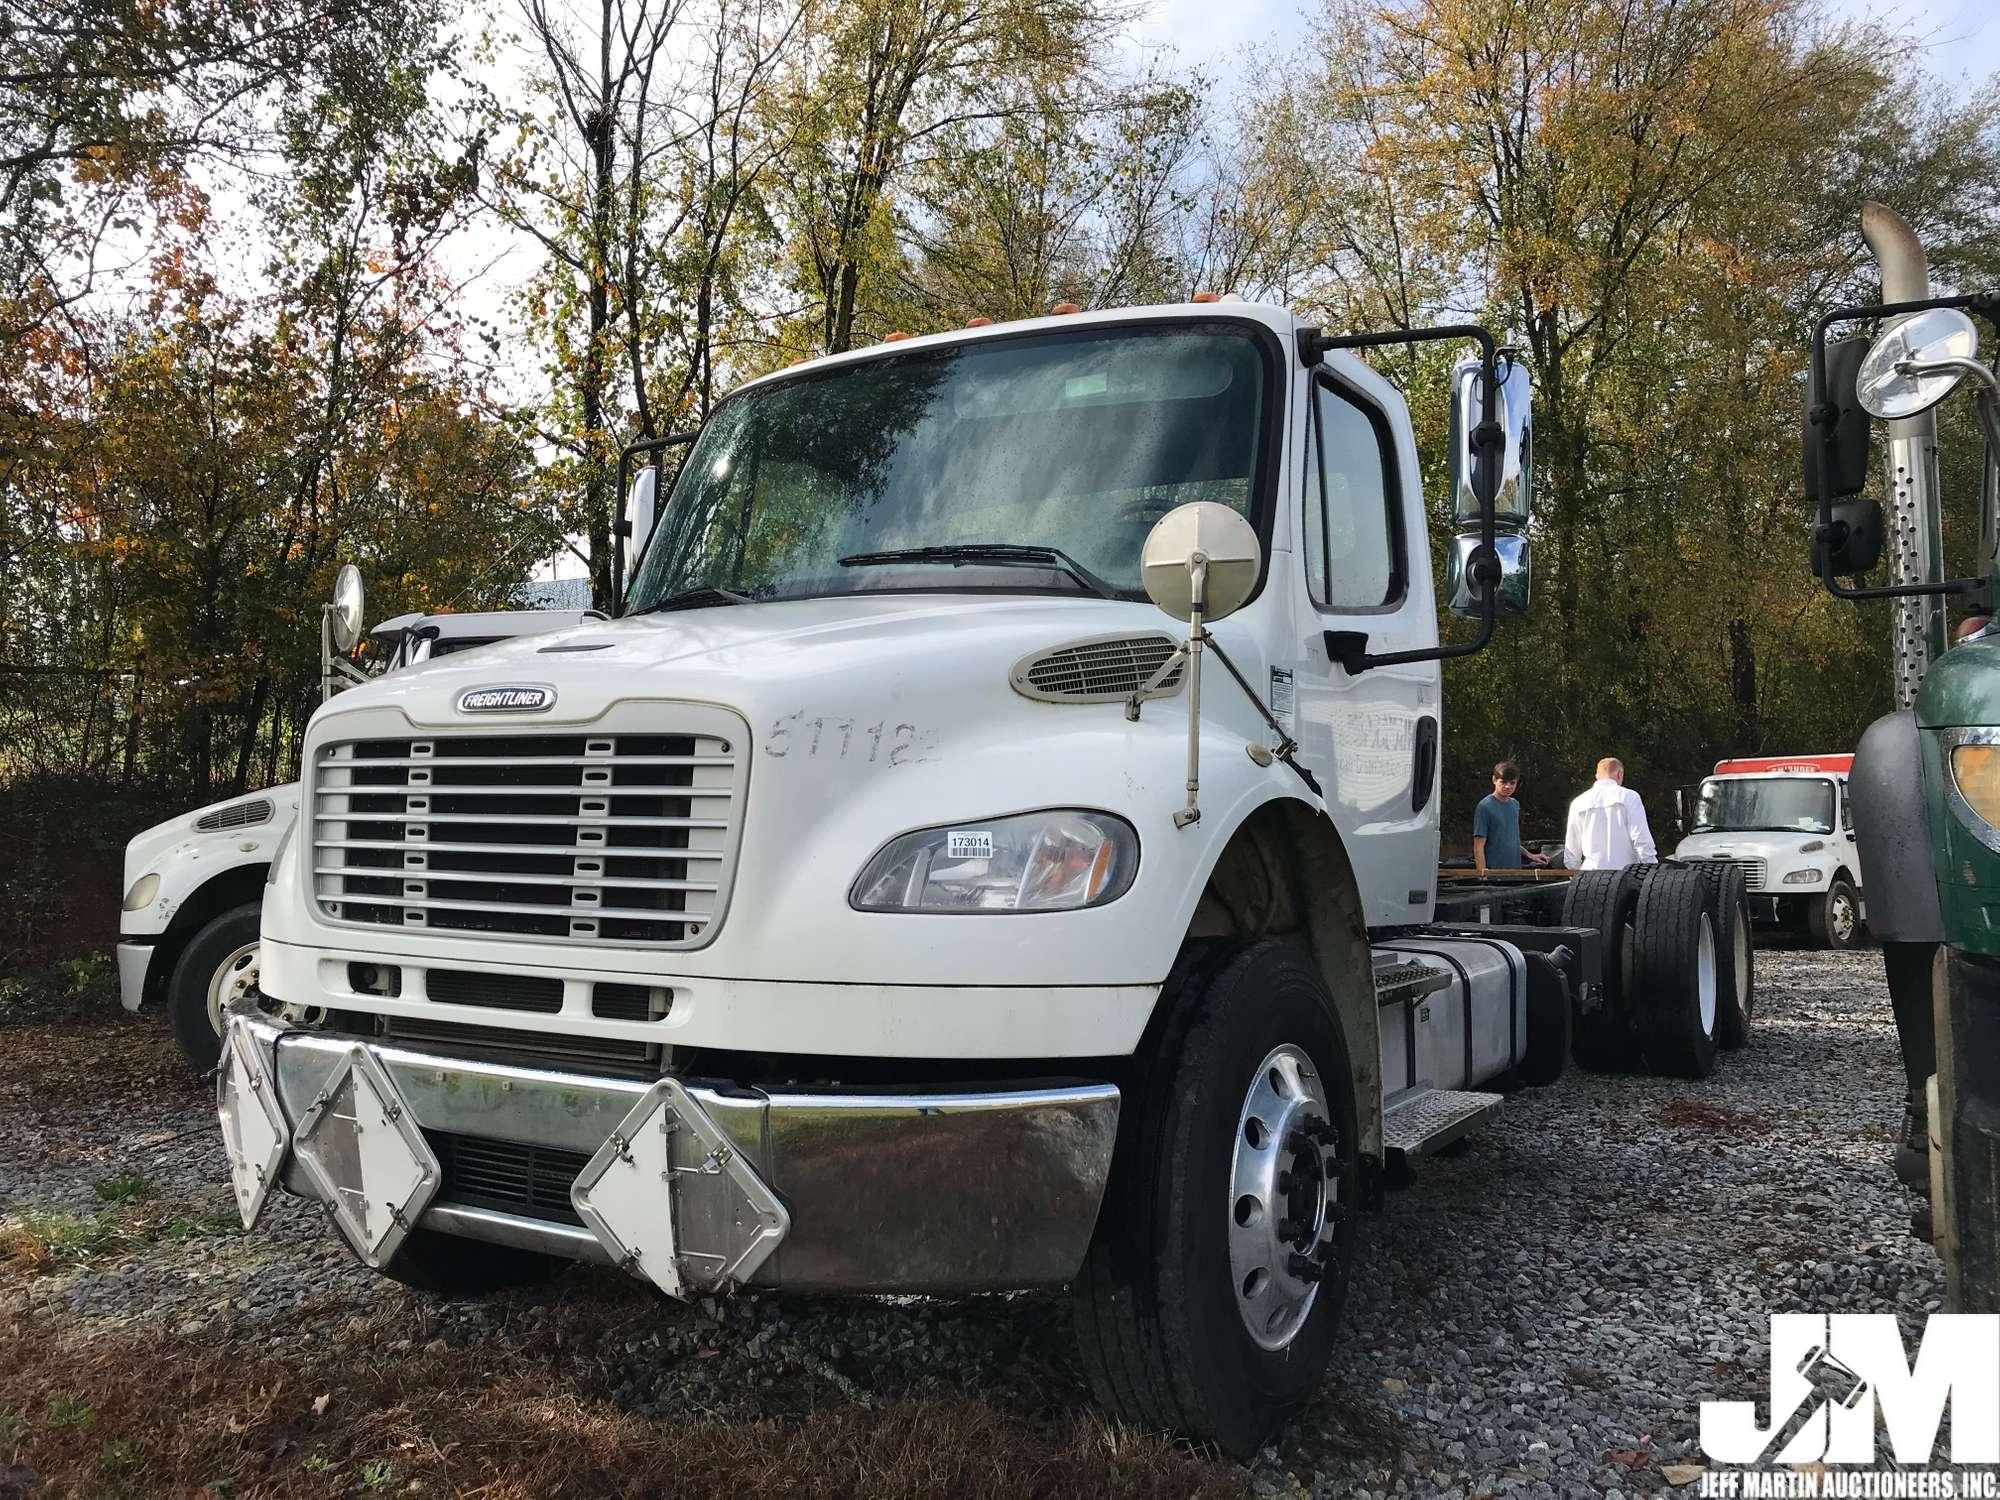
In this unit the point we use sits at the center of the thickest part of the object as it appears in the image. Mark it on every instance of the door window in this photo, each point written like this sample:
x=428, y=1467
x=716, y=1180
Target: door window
x=1353, y=552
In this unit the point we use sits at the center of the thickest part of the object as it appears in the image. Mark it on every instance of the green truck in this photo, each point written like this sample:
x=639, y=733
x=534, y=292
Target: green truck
x=1926, y=777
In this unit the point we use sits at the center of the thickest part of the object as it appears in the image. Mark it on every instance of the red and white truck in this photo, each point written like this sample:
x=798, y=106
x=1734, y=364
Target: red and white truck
x=1787, y=822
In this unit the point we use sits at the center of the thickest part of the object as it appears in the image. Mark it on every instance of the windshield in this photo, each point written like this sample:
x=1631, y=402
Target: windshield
x=1071, y=442
x=1782, y=803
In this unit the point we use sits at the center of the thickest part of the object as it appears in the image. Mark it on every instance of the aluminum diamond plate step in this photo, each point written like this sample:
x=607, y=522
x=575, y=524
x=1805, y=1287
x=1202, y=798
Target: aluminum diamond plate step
x=1425, y=1120
x=1401, y=979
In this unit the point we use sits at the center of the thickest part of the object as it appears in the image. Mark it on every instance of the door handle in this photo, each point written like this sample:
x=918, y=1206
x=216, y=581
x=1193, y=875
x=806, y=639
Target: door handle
x=1425, y=770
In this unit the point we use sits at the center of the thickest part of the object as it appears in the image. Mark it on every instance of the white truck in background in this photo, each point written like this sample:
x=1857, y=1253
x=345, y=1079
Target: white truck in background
x=1788, y=824
x=194, y=885
x=894, y=899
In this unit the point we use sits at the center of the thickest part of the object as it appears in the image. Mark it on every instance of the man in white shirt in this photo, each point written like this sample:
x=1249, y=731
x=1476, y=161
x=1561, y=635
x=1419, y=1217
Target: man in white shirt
x=1607, y=825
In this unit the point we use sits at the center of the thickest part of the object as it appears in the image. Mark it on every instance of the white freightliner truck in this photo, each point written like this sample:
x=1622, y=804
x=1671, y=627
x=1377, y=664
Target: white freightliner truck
x=1788, y=822
x=894, y=900
x=194, y=885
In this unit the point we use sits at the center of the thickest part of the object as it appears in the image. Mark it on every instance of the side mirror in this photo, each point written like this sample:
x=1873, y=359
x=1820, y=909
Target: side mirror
x=1510, y=566
x=1855, y=547
x=1513, y=500
x=1680, y=809
x=1200, y=562
x=1839, y=467
x=1200, y=559
x=339, y=629
x=1916, y=362
x=642, y=508
x=344, y=613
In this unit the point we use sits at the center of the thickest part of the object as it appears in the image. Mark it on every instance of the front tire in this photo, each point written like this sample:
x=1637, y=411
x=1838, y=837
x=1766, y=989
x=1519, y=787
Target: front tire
x=1209, y=1299
x=217, y=968
x=1834, y=920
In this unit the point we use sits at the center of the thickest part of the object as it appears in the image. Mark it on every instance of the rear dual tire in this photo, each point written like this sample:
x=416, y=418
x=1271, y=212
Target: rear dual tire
x=1607, y=901
x=1677, y=959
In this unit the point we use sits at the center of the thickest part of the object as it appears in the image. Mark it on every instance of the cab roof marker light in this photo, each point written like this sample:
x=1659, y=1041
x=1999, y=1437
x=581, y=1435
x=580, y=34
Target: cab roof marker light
x=1205, y=297
x=1064, y=309
x=982, y=321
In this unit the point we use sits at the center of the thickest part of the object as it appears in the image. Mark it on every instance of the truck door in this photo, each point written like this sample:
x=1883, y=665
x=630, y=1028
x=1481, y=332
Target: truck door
x=1845, y=842
x=1373, y=740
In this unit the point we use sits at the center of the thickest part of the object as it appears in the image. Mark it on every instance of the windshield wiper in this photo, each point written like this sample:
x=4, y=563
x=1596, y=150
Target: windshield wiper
x=694, y=599
x=1006, y=554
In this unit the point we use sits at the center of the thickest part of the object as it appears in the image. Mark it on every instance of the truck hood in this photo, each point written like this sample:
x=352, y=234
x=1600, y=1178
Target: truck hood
x=1962, y=687
x=1760, y=844
x=856, y=656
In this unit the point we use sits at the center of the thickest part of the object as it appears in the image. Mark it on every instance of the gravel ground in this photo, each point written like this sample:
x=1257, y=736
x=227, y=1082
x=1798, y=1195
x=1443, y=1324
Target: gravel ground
x=1541, y=1314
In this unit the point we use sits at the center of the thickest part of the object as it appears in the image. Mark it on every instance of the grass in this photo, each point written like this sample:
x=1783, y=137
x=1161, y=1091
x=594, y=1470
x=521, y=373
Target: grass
x=520, y=1422
x=47, y=1244
x=41, y=1244
x=122, y=1189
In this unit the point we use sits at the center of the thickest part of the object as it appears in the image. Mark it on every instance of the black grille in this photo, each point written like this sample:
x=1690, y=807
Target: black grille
x=574, y=837
x=534, y=992
x=533, y=1181
x=595, y=1053
x=623, y=1002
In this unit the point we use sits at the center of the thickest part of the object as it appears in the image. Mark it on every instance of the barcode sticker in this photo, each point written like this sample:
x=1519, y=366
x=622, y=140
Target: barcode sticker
x=1281, y=696
x=966, y=844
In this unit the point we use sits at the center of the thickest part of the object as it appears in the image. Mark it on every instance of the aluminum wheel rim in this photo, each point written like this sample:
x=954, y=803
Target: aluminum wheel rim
x=1840, y=916
x=1284, y=1190
x=233, y=983
x=1705, y=985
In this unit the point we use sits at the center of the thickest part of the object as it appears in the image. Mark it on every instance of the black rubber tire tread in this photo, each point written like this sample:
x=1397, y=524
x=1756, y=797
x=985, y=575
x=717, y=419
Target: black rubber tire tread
x=1673, y=903
x=448, y=1266
x=1603, y=1041
x=1736, y=1005
x=1550, y=1019
x=1817, y=926
x=1157, y=1325
x=187, y=991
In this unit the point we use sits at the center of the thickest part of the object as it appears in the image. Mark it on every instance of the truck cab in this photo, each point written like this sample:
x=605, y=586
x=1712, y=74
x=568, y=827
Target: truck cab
x=1788, y=824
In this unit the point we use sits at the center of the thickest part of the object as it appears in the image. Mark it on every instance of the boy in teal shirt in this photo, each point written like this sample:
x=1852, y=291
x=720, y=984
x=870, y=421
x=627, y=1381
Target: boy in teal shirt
x=1496, y=825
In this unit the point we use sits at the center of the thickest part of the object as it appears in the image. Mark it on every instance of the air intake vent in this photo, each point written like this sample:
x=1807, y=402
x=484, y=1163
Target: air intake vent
x=236, y=815
x=500, y=991
x=1103, y=669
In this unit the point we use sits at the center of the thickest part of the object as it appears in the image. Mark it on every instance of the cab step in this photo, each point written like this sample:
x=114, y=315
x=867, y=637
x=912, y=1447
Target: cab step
x=1399, y=979
x=1426, y=1119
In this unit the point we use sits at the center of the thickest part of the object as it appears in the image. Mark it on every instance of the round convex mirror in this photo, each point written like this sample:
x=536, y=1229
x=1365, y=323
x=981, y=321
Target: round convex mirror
x=346, y=607
x=1921, y=339
x=1215, y=532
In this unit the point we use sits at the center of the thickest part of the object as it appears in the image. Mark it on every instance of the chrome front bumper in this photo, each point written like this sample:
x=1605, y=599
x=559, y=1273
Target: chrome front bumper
x=866, y=1190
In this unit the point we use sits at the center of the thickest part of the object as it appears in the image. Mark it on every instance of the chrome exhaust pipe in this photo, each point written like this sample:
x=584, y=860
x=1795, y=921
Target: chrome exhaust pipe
x=1916, y=533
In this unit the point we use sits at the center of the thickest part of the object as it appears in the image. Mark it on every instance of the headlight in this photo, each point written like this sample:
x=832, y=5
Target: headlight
x=1046, y=861
x=144, y=889
x=1976, y=769
x=1804, y=877
x=278, y=854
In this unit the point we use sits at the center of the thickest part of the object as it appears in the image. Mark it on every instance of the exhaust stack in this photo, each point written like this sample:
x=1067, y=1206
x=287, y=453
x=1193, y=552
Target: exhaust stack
x=1916, y=535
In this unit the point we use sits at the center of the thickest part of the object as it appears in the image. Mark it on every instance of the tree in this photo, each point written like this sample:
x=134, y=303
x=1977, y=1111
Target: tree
x=1655, y=200
x=639, y=178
